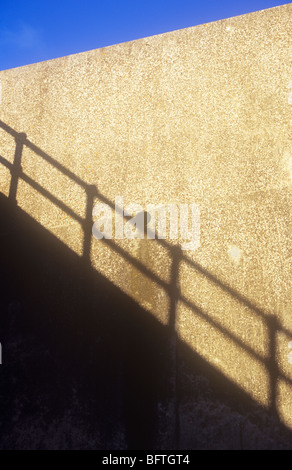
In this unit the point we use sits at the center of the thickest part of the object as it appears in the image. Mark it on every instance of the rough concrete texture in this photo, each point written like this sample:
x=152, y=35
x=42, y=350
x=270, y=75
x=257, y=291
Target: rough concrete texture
x=201, y=115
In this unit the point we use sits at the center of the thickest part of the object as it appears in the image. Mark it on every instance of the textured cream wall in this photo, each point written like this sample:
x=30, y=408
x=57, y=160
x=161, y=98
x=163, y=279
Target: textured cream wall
x=201, y=115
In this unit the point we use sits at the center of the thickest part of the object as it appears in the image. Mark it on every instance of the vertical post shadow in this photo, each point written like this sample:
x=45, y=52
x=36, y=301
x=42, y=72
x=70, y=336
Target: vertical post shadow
x=91, y=193
x=16, y=168
x=174, y=294
x=271, y=363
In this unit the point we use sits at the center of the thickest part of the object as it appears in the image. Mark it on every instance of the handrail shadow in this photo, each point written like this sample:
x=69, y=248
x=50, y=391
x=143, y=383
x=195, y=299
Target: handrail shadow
x=171, y=288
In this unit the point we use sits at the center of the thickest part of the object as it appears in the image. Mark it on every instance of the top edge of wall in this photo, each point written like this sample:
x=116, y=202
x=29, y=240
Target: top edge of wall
x=151, y=37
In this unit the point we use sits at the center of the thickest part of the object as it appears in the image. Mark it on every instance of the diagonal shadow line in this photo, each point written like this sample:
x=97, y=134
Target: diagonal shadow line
x=44, y=155
x=105, y=200
x=239, y=297
x=51, y=197
x=150, y=274
x=93, y=192
x=123, y=253
x=6, y=163
x=263, y=359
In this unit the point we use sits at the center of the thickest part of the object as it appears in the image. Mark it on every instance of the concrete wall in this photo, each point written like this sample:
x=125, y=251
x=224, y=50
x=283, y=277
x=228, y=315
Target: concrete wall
x=201, y=115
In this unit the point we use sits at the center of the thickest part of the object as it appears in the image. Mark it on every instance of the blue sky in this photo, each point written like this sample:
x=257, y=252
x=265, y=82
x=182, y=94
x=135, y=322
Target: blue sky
x=36, y=30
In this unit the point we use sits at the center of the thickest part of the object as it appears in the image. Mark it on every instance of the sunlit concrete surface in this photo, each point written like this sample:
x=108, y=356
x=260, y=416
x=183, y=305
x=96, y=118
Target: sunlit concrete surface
x=201, y=115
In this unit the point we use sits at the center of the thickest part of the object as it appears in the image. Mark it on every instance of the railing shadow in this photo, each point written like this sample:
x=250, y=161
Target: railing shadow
x=168, y=335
